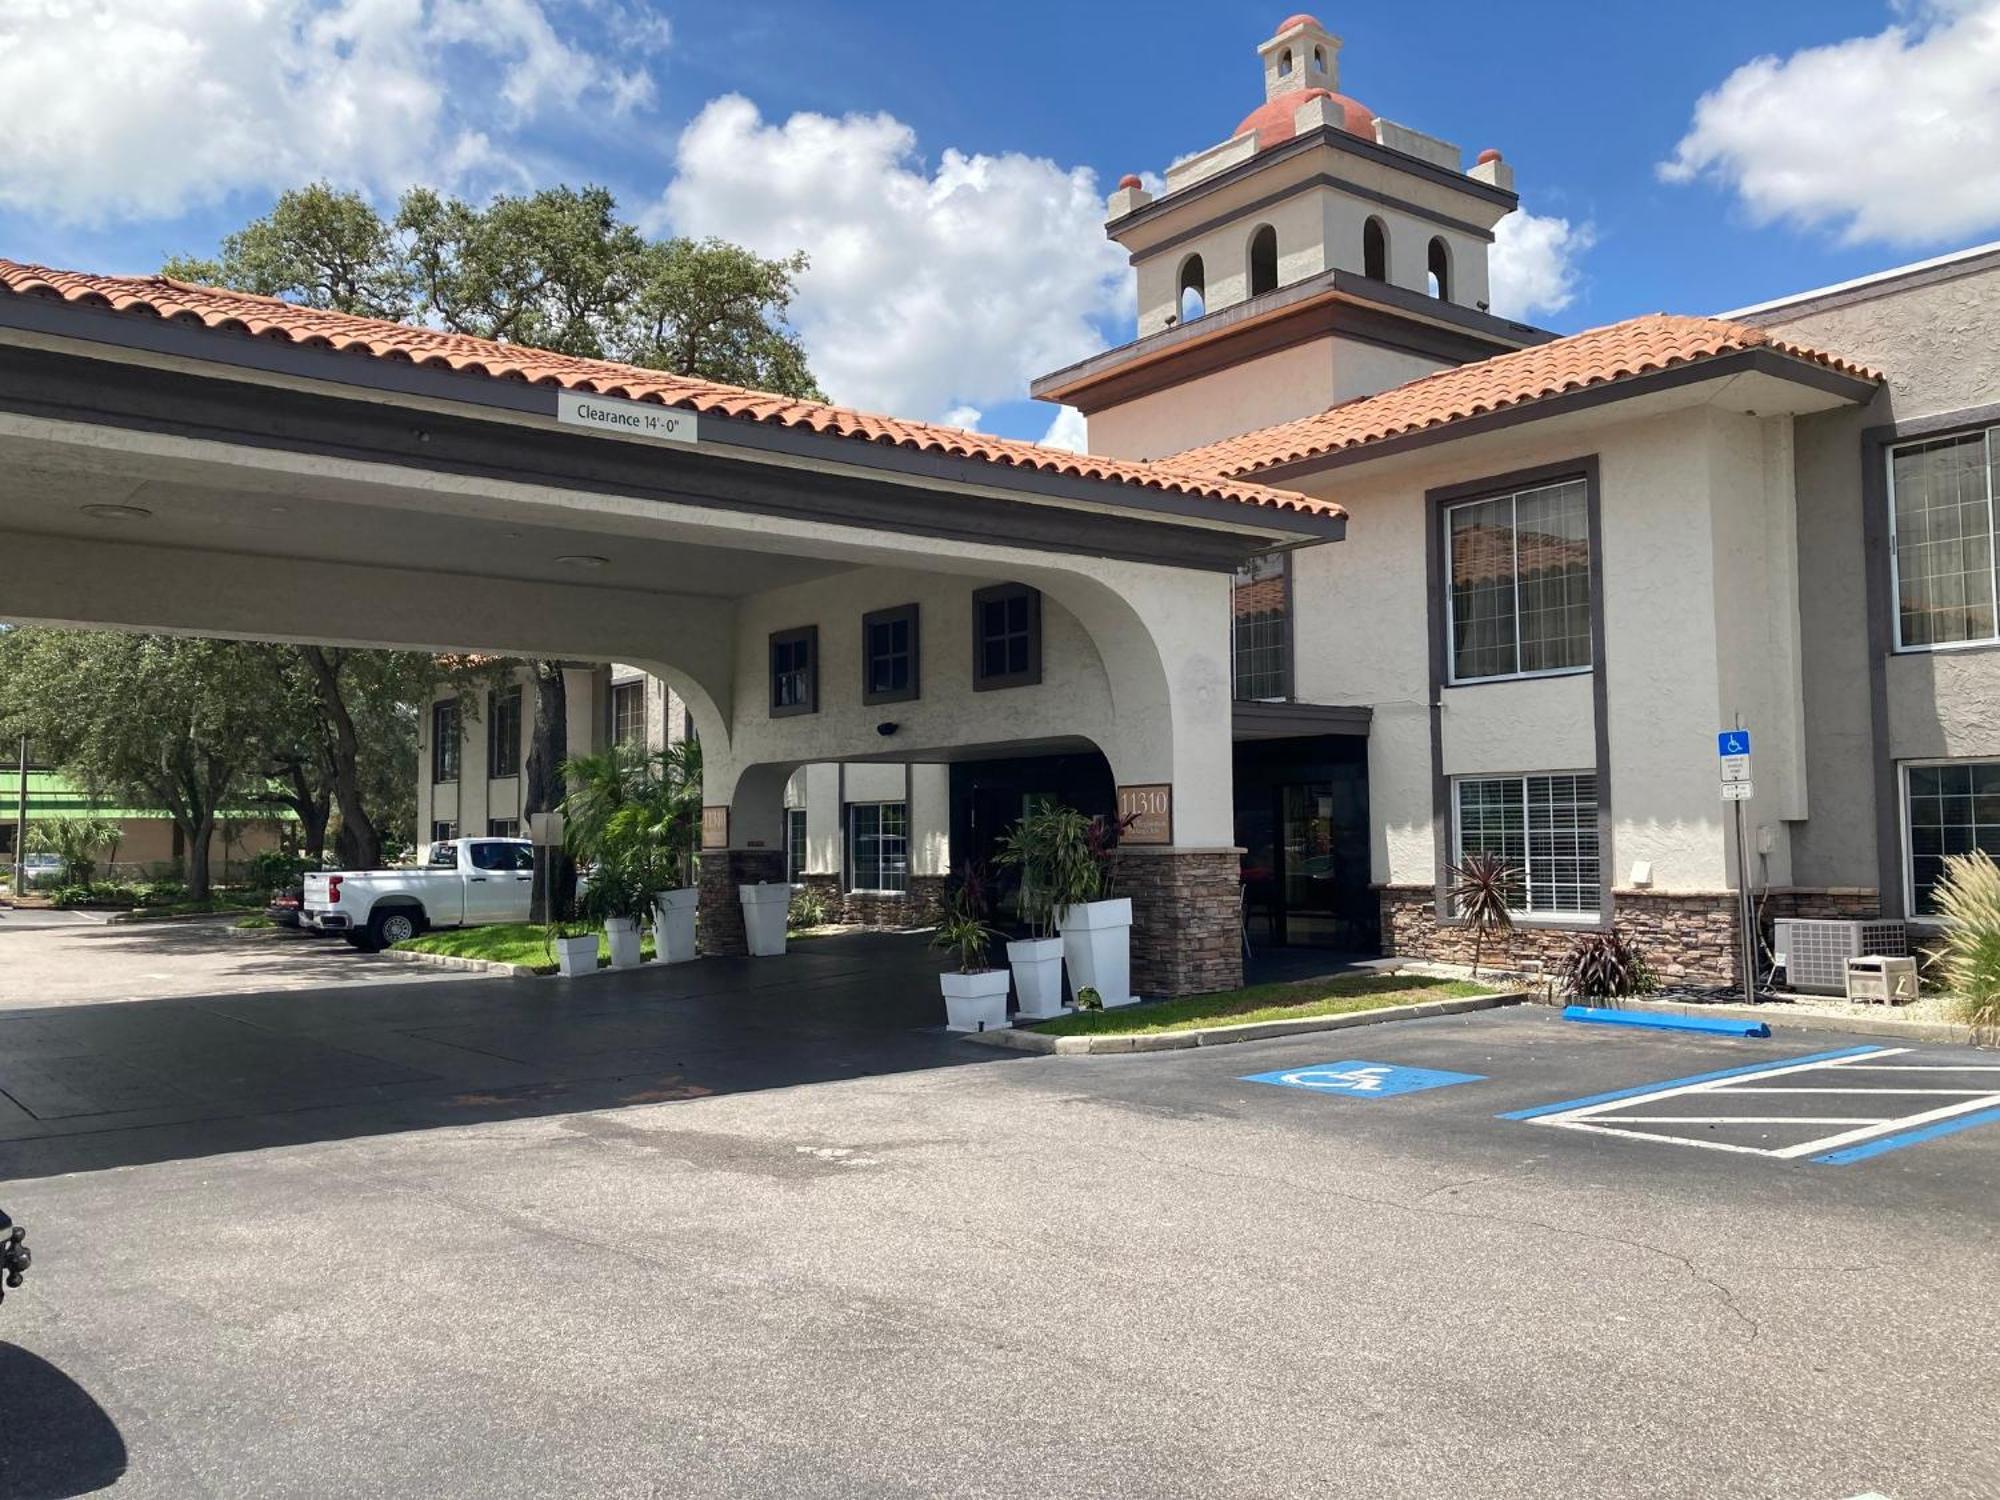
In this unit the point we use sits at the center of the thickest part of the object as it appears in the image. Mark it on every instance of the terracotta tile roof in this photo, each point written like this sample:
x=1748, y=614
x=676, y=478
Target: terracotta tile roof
x=1638, y=346
x=270, y=318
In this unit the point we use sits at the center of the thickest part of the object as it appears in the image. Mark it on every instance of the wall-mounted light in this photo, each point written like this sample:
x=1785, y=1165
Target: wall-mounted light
x=117, y=512
x=885, y=729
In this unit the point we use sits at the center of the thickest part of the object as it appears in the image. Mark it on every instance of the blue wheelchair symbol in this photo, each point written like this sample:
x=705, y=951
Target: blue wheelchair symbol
x=1733, y=742
x=1356, y=1079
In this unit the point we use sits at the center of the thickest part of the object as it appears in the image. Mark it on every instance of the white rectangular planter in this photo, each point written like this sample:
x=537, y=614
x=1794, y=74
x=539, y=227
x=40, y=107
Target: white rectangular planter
x=621, y=934
x=765, y=908
x=673, y=924
x=1037, y=976
x=576, y=955
x=1097, y=946
x=975, y=1002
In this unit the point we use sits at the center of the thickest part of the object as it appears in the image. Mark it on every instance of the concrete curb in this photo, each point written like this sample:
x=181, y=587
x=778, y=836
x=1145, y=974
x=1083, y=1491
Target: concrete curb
x=471, y=965
x=1216, y=1036
x=1786, y=1018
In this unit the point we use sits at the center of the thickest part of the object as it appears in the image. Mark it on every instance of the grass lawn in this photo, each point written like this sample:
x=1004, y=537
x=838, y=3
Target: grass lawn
x=1266, y=1002
x=505, y=943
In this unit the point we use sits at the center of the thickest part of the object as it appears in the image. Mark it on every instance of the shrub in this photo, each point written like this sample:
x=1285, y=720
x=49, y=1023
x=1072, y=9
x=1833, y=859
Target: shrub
x=1969, y=900
x=275, y=870
x=159, y=893
x=1484, y=889
x=94, y=893
x=75, y=842
x=808, y=909
x=1088, y=998
x=1603, y=966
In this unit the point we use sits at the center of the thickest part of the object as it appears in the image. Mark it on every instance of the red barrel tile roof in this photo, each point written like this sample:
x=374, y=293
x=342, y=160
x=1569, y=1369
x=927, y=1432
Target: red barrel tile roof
x=270, y=318
x=1600, y=356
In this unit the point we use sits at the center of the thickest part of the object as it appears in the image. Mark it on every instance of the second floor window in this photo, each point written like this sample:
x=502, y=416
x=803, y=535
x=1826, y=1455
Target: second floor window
x=628, y=713
x=503, y=733
x=1519, y=583
x=1941, y=536
x=794, y=671
x=889, y=655
x=1006, y=637
x=444, y=740
x=1260, y=627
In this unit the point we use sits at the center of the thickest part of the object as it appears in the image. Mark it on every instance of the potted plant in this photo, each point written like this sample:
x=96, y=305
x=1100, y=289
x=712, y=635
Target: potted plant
x=637, y=814
x=1096, y=925
x=572, y=942
x=1030, y=846
x=673, y=813
x=975, y=994
x=617, y=896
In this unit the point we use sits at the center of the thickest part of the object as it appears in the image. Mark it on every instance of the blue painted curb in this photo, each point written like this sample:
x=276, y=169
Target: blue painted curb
x=1715, y=1025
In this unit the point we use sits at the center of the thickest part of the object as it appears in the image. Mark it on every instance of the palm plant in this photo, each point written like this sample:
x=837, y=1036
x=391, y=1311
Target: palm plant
x=963, y=929
x=635, y=810
x=74, y=842
x=1051, y=846
x=1484, y=892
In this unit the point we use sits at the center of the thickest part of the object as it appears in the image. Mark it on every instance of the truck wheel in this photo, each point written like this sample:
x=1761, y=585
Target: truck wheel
x=396, y=925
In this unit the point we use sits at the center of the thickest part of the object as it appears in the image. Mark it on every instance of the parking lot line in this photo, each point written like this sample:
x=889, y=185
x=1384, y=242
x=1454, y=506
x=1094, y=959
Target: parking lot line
x=1836, y=1139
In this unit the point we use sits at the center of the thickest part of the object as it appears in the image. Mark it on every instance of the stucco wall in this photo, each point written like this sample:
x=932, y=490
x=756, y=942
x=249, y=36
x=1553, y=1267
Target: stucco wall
x=1938, y=344
x=1362, y=635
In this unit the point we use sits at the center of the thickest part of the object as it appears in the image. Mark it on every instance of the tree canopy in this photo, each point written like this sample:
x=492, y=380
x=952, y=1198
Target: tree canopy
x=556, y=268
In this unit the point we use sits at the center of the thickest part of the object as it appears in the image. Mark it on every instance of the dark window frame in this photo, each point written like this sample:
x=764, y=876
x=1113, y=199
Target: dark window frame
x=446, y=749
x=808, y=636
x=498, y=769
x=797, y=828
x=905, y=613
x=1287, y=647
x=1031, y=675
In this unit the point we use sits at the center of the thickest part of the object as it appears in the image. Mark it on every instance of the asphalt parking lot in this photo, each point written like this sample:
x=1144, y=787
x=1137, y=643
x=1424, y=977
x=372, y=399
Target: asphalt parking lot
x=816, y=1247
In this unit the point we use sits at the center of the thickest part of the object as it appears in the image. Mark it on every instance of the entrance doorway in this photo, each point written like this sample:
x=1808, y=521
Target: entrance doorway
x=1302, y=819
x=989, y=796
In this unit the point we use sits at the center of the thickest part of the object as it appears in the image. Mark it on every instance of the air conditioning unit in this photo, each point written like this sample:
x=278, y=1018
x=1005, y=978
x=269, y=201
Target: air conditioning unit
x=1814, y=953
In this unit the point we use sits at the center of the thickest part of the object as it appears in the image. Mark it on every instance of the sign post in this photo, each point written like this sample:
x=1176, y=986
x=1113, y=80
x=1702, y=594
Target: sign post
x=1732, y=749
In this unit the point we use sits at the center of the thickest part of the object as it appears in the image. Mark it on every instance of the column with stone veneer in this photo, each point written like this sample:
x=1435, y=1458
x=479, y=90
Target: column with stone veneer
x=1187, y=933
x=720, y=925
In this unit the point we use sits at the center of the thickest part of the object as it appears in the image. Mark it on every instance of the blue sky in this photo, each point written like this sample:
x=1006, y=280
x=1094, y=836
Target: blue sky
x=945, y=164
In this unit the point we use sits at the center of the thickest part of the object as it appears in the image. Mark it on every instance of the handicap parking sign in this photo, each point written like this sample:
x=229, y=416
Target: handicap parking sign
x=1355, y=1079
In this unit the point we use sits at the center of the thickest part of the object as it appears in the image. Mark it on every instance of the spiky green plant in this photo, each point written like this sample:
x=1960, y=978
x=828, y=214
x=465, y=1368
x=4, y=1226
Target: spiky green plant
x=1603, y=965
x=1968, y=898
x=1484, y=892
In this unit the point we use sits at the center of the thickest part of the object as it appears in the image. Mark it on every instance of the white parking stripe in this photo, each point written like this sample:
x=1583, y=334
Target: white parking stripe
x=1609, y=1118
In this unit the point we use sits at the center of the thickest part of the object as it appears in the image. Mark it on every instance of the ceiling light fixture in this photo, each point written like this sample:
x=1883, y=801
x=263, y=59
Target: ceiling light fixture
x=117, y=512
x=583, y=560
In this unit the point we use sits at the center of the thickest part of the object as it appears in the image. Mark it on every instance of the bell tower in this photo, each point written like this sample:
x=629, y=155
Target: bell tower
x=1319, y=253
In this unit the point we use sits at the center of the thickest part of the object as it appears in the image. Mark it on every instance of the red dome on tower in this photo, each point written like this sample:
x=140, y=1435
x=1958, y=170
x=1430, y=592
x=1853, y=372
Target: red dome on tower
x=1301, y=19
x=1272, y=120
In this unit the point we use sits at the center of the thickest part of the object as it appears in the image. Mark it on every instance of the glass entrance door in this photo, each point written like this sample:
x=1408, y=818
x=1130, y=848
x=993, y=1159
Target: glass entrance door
x=1310, y=867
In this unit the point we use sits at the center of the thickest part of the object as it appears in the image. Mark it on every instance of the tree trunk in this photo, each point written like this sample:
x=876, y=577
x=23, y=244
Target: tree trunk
x=548, y=748
x=199, y=832
x=360, y=842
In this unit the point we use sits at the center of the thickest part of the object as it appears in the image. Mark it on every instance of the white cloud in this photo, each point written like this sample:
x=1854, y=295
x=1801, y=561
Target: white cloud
x=930, y=287
x=1891, y=137
x=147, y=108
x=1067, y=431
x=963, y=416
x=1533, y=270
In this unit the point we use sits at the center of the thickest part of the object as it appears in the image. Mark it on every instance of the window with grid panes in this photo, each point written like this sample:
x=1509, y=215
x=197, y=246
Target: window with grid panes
x=878, y=844
x=1545, y=827
x=1941, y=539
x=1947, y=809
x=1260, y=606
x=1519, y=583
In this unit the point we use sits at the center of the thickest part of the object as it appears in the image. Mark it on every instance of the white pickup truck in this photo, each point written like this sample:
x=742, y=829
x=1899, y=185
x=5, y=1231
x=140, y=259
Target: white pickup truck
x=465, y=883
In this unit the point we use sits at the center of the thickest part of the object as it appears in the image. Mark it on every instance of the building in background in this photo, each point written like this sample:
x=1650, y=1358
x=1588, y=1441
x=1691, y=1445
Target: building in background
x=149, y=845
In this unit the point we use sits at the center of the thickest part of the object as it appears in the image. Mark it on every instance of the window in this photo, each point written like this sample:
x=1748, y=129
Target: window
x=1947, y=809
x=501, y=857
x=1545, y=827
x=1006, y=637
x=795, y=845
x=503, y=828
x=1193, y=297
x=1440, y=270
x=1285, y=63
x=889, y=655
x=444, y=845
x=795, y=671
x=1519, y=594
x=444, y=740
x=1375, y=251
x=1260, y=624
x=1941, y=539
x=1319, y=59
x=503, y=733
x=878, y=843
x=628, y=713
x=1263, y=261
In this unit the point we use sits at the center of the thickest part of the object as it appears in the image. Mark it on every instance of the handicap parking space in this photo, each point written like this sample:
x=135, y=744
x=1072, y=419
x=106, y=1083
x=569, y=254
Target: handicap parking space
x=1502, y=1081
